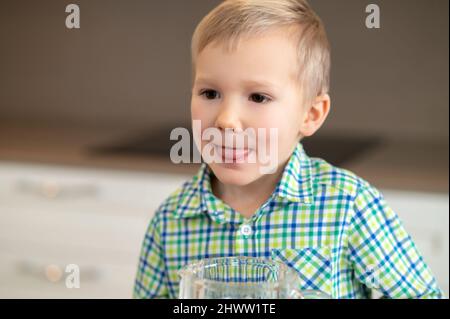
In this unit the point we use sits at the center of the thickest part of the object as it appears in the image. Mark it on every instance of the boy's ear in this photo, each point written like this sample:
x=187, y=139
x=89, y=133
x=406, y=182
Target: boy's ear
x=315, y=115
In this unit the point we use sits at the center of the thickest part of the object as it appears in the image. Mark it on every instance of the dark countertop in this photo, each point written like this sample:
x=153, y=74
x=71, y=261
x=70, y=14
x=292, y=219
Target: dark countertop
x=405, y=165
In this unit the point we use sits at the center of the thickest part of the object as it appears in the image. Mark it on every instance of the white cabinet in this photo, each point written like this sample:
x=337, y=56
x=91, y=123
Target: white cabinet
x=426, y=218
x=54, y=216
x=51, y=217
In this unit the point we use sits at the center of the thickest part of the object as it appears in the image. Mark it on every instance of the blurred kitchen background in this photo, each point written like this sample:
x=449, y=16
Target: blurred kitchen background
x=85, y=117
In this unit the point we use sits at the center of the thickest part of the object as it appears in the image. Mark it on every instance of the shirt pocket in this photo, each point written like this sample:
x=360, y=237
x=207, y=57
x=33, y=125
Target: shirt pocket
x=313, y=265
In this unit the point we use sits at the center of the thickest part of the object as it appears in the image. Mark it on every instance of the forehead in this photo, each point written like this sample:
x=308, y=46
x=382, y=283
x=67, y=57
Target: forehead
x=269, y=57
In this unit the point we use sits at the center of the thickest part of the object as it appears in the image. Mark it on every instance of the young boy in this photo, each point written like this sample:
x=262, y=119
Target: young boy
x=265, y=64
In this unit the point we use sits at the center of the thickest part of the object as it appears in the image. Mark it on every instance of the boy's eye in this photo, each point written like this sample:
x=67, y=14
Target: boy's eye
x=209, y=94
x=255, y=97
x=259, y=98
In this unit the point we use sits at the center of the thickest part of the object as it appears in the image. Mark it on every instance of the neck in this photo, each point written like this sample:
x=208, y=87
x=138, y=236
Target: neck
x=247, y=199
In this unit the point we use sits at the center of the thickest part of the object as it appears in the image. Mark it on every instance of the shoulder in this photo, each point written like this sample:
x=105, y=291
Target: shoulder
x=365, y=200
x=342, y=180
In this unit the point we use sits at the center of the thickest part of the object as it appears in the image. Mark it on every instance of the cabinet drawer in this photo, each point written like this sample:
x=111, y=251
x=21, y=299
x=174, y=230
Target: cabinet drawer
x=32, y=276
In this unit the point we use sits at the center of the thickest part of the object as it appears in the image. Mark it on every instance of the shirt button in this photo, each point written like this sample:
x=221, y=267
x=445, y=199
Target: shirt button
x=246, y=230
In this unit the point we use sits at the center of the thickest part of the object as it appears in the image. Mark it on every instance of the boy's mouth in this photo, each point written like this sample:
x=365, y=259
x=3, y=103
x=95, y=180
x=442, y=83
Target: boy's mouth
x=232, y=155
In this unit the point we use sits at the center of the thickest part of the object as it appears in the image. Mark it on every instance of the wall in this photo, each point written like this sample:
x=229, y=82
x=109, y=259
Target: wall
x=128, y=66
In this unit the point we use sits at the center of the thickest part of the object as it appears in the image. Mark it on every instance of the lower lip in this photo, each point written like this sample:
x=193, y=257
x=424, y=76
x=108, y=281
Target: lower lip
x=232, y=156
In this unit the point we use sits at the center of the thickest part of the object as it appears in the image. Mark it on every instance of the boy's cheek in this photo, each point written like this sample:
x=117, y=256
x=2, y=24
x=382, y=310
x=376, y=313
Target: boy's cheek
x=197, y=109
x=199, y=113
x=195, y=113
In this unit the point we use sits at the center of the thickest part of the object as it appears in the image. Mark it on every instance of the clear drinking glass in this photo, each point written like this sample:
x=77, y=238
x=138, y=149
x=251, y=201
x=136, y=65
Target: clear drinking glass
x=242, y=278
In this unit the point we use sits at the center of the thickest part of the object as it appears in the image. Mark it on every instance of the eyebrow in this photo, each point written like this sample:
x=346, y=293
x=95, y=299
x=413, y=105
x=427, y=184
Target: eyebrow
x=261, y=83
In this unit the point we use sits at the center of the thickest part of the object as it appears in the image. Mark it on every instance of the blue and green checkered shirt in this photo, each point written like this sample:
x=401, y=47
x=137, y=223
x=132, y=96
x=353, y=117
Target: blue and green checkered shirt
x=331, y=226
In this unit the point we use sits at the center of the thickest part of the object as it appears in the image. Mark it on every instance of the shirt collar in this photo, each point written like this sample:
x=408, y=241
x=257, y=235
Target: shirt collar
x=296, y=182
x=295, y=185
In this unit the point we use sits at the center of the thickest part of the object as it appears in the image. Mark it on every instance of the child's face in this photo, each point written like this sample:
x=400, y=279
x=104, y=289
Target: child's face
x=254, y=87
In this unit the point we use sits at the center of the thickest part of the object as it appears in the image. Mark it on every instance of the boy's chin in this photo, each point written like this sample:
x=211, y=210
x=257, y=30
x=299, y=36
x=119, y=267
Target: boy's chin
x=239, y=175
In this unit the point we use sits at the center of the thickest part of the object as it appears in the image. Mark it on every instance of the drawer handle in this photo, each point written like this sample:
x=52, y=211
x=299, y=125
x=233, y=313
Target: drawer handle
x=52, y=190
x=55, y=273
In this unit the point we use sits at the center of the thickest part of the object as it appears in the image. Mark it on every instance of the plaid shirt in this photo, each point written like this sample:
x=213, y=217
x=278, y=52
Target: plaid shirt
x=331, y=226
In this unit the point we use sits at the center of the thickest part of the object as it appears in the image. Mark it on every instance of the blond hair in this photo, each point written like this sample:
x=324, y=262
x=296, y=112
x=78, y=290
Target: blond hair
x=233, y=19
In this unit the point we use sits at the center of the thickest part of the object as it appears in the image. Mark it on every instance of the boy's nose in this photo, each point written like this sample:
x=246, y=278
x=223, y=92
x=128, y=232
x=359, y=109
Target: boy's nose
x=228, y=118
